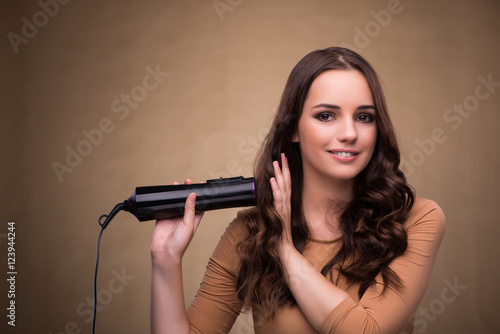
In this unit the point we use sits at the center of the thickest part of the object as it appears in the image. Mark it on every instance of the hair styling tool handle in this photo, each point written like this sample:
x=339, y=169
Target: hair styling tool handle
x=160, y=202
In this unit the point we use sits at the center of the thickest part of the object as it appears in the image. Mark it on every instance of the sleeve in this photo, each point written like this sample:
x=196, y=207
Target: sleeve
x=390, y=312
x=216, y=305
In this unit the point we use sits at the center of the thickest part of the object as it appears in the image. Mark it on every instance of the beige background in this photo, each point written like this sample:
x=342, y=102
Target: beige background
x=206, y=119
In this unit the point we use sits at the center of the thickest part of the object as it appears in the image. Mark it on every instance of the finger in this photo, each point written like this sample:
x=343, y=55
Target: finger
x=189, y=210
x=288, y=180
x=278, y=201
x=188, y=181
x=278, y=175
x=285, y=170
x=280, y=180
x=175, y=183
x=196, y=215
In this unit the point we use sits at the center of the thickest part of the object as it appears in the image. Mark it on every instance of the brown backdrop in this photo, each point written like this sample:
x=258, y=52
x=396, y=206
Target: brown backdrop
x=99, y=97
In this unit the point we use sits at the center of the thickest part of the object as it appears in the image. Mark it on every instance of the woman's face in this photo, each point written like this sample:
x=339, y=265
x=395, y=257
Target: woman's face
x=337, y=129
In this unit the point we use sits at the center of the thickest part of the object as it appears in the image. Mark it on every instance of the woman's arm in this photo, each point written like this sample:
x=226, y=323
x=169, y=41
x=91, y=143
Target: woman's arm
x=329, y=308
x=315, y=295
x=168, y=312
x=395, y=309
x=171, y=238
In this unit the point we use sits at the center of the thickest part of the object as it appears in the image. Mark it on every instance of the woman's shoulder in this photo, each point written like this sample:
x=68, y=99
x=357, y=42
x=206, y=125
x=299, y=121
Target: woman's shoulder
x=238, y=230
x=426, y=215
x=226, y=253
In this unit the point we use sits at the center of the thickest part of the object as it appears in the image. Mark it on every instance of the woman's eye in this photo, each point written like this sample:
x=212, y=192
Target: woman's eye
x=324, y=117
x=365, y=118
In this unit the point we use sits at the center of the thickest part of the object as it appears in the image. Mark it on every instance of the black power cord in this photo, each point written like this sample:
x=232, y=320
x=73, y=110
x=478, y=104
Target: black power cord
x=159, y=202
x=116, y=209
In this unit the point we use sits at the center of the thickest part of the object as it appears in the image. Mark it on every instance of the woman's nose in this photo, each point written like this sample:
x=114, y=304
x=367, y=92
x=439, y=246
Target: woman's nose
x=347, y=131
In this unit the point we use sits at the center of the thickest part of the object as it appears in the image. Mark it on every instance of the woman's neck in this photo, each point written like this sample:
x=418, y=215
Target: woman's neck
x=322, y=203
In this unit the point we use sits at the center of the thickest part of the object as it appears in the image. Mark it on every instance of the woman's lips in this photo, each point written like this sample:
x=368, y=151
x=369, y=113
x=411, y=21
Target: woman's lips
x=344, y=155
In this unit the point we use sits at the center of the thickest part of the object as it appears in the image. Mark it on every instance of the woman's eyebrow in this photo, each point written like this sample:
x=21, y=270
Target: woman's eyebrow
x=364, y=107
x=326, y=105
x=334, y=106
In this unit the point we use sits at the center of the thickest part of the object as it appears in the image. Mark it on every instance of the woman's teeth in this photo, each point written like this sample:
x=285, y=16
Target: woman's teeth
x=344, y=154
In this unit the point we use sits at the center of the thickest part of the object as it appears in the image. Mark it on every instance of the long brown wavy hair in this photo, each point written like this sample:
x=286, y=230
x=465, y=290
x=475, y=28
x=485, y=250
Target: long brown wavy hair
x=371, y=224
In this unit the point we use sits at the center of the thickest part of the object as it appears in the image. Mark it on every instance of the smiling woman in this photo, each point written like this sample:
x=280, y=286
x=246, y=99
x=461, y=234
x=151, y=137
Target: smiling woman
x=337, y=243
x=337, y=128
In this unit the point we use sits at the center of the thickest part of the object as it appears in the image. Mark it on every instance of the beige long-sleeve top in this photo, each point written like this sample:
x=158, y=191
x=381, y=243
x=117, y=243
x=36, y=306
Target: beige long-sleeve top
x=216, y=306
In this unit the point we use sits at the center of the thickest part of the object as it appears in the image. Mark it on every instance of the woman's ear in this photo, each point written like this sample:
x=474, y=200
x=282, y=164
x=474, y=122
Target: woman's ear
x=295, y=138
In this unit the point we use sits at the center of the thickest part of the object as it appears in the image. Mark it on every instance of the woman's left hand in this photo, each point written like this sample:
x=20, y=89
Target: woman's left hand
x=281, y=185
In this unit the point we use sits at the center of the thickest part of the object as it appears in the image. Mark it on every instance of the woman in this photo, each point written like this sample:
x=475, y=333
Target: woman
x=337, y=242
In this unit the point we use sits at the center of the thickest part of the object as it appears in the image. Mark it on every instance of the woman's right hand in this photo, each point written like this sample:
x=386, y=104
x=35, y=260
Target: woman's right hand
x=172, y=236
